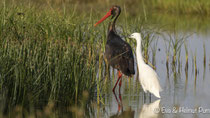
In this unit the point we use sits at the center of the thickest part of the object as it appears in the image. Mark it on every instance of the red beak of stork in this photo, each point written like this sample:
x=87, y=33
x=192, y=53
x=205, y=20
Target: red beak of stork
x=109, y=13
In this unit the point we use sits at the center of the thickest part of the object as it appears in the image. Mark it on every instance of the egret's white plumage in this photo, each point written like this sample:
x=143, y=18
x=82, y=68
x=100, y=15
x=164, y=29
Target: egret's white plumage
x=147, y=76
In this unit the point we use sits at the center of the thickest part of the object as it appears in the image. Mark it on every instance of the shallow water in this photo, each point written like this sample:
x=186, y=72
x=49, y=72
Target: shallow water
x=185, y=93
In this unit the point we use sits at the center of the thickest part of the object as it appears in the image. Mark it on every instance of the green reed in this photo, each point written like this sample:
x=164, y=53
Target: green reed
x=201, y=7
x=176, y=47
x=145, y=48
x=46, y=56
x=175, y=43
x=186, y=57
x=154, y=50
x=146, y=44
x=204, y=55
x=195, y=63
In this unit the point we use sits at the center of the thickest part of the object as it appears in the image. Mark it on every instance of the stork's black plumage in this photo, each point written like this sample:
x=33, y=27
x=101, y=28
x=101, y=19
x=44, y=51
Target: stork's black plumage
x=118, y=52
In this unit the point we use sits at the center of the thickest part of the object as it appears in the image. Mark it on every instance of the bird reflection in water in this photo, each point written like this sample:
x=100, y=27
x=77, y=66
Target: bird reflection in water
x=121, y=113
x=150, y=110
x=147, y=110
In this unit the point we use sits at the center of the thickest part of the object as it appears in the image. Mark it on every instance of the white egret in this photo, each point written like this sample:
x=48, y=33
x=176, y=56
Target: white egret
x=147, y=76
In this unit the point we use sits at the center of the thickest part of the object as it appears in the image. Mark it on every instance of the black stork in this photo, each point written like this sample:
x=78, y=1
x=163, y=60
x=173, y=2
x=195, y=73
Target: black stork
x=118, y=52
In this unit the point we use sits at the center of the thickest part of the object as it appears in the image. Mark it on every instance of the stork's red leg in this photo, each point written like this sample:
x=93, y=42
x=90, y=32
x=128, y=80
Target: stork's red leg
x=120, y=83
x=119, y=77
x=119, y=104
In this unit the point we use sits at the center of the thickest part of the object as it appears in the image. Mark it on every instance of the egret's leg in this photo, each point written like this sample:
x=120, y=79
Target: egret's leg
x=119, y=77
x=144, y=97
x=150, y=97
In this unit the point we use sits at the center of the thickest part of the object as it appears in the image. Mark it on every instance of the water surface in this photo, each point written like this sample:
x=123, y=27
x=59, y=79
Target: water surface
x=185, y=91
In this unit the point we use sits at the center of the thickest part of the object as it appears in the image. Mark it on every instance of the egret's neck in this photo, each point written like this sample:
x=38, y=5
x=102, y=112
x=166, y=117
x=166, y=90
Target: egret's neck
x=140, y=58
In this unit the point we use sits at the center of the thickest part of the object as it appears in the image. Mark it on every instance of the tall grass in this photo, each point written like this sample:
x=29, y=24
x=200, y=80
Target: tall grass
x=173, y=47
x=195, y=64
x=45, y=56
x=199, y=7
x=204, y=60
x=204, y=55
x=186, y=57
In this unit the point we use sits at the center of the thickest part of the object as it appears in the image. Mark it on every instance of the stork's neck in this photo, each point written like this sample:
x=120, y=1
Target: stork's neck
x=112, y=23
x=140, y=59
